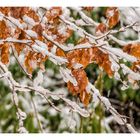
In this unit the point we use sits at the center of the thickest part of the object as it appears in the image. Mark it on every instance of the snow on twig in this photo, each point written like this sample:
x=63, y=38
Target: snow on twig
x=117, y=117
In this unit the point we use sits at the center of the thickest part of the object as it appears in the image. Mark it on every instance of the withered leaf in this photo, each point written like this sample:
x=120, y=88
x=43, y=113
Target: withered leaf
x=32, y=14
x=102, y=59
x=38, y=29
x=4, y=30
x=80, y=89
x=133, y=49
x=5, y=10
x=33, y=60
x=53, y=14
x=112, y=15
x=81, y=79
x=101, y=28
x=19, y=46
x=60, y=52
x=18, y=12
x=5, y=53
x=85, y=97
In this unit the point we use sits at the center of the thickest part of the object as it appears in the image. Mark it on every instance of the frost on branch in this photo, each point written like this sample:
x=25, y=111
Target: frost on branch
x=69, y=40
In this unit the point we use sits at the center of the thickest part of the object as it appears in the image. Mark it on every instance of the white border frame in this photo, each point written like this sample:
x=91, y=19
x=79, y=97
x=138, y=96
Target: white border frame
x=65, y=3
x=74, y=3
x=68, y=136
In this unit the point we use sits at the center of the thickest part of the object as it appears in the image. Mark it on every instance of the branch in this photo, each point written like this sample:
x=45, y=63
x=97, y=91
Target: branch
x=74, y=26
x=85, y=17
x=117, y=117
x=43, y=92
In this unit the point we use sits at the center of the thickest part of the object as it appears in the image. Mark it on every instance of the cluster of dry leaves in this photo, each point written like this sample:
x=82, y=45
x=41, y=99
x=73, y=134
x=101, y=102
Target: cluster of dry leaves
x=84, y=57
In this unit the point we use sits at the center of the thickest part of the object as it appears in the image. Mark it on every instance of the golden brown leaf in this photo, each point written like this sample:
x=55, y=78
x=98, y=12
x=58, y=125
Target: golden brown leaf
x=53, y=14
x=18, y=12
x=27, y=62
x=19, y=46
x=102, y=59
x=32, y=14
x=85, y=97
x=40, y=59
x=81, y=79
x=61, y=38
x=34, y=59
x=101, y=28
x=133, y=49
x=4, y=30
x=80, y=89
x=87, y=56
x=82, y=56
x=5, y=53
x=5, y=10
x=38, y=29
x=78, y=56
x=60, y=52
x=112, y=15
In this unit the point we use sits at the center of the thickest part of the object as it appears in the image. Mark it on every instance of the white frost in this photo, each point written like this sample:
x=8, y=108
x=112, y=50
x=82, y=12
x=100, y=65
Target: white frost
x=15, y=22
x=67, y=76
x=117, y=117
x=106, y=102
x=77, y=108
x=133, y=75
x=31, y=33
x=120, y=53
x=39, y=79
x=29, y=20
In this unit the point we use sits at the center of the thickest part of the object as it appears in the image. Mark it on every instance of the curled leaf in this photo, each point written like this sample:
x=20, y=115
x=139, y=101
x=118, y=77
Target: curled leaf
x=112, y=15
x=101, y=28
